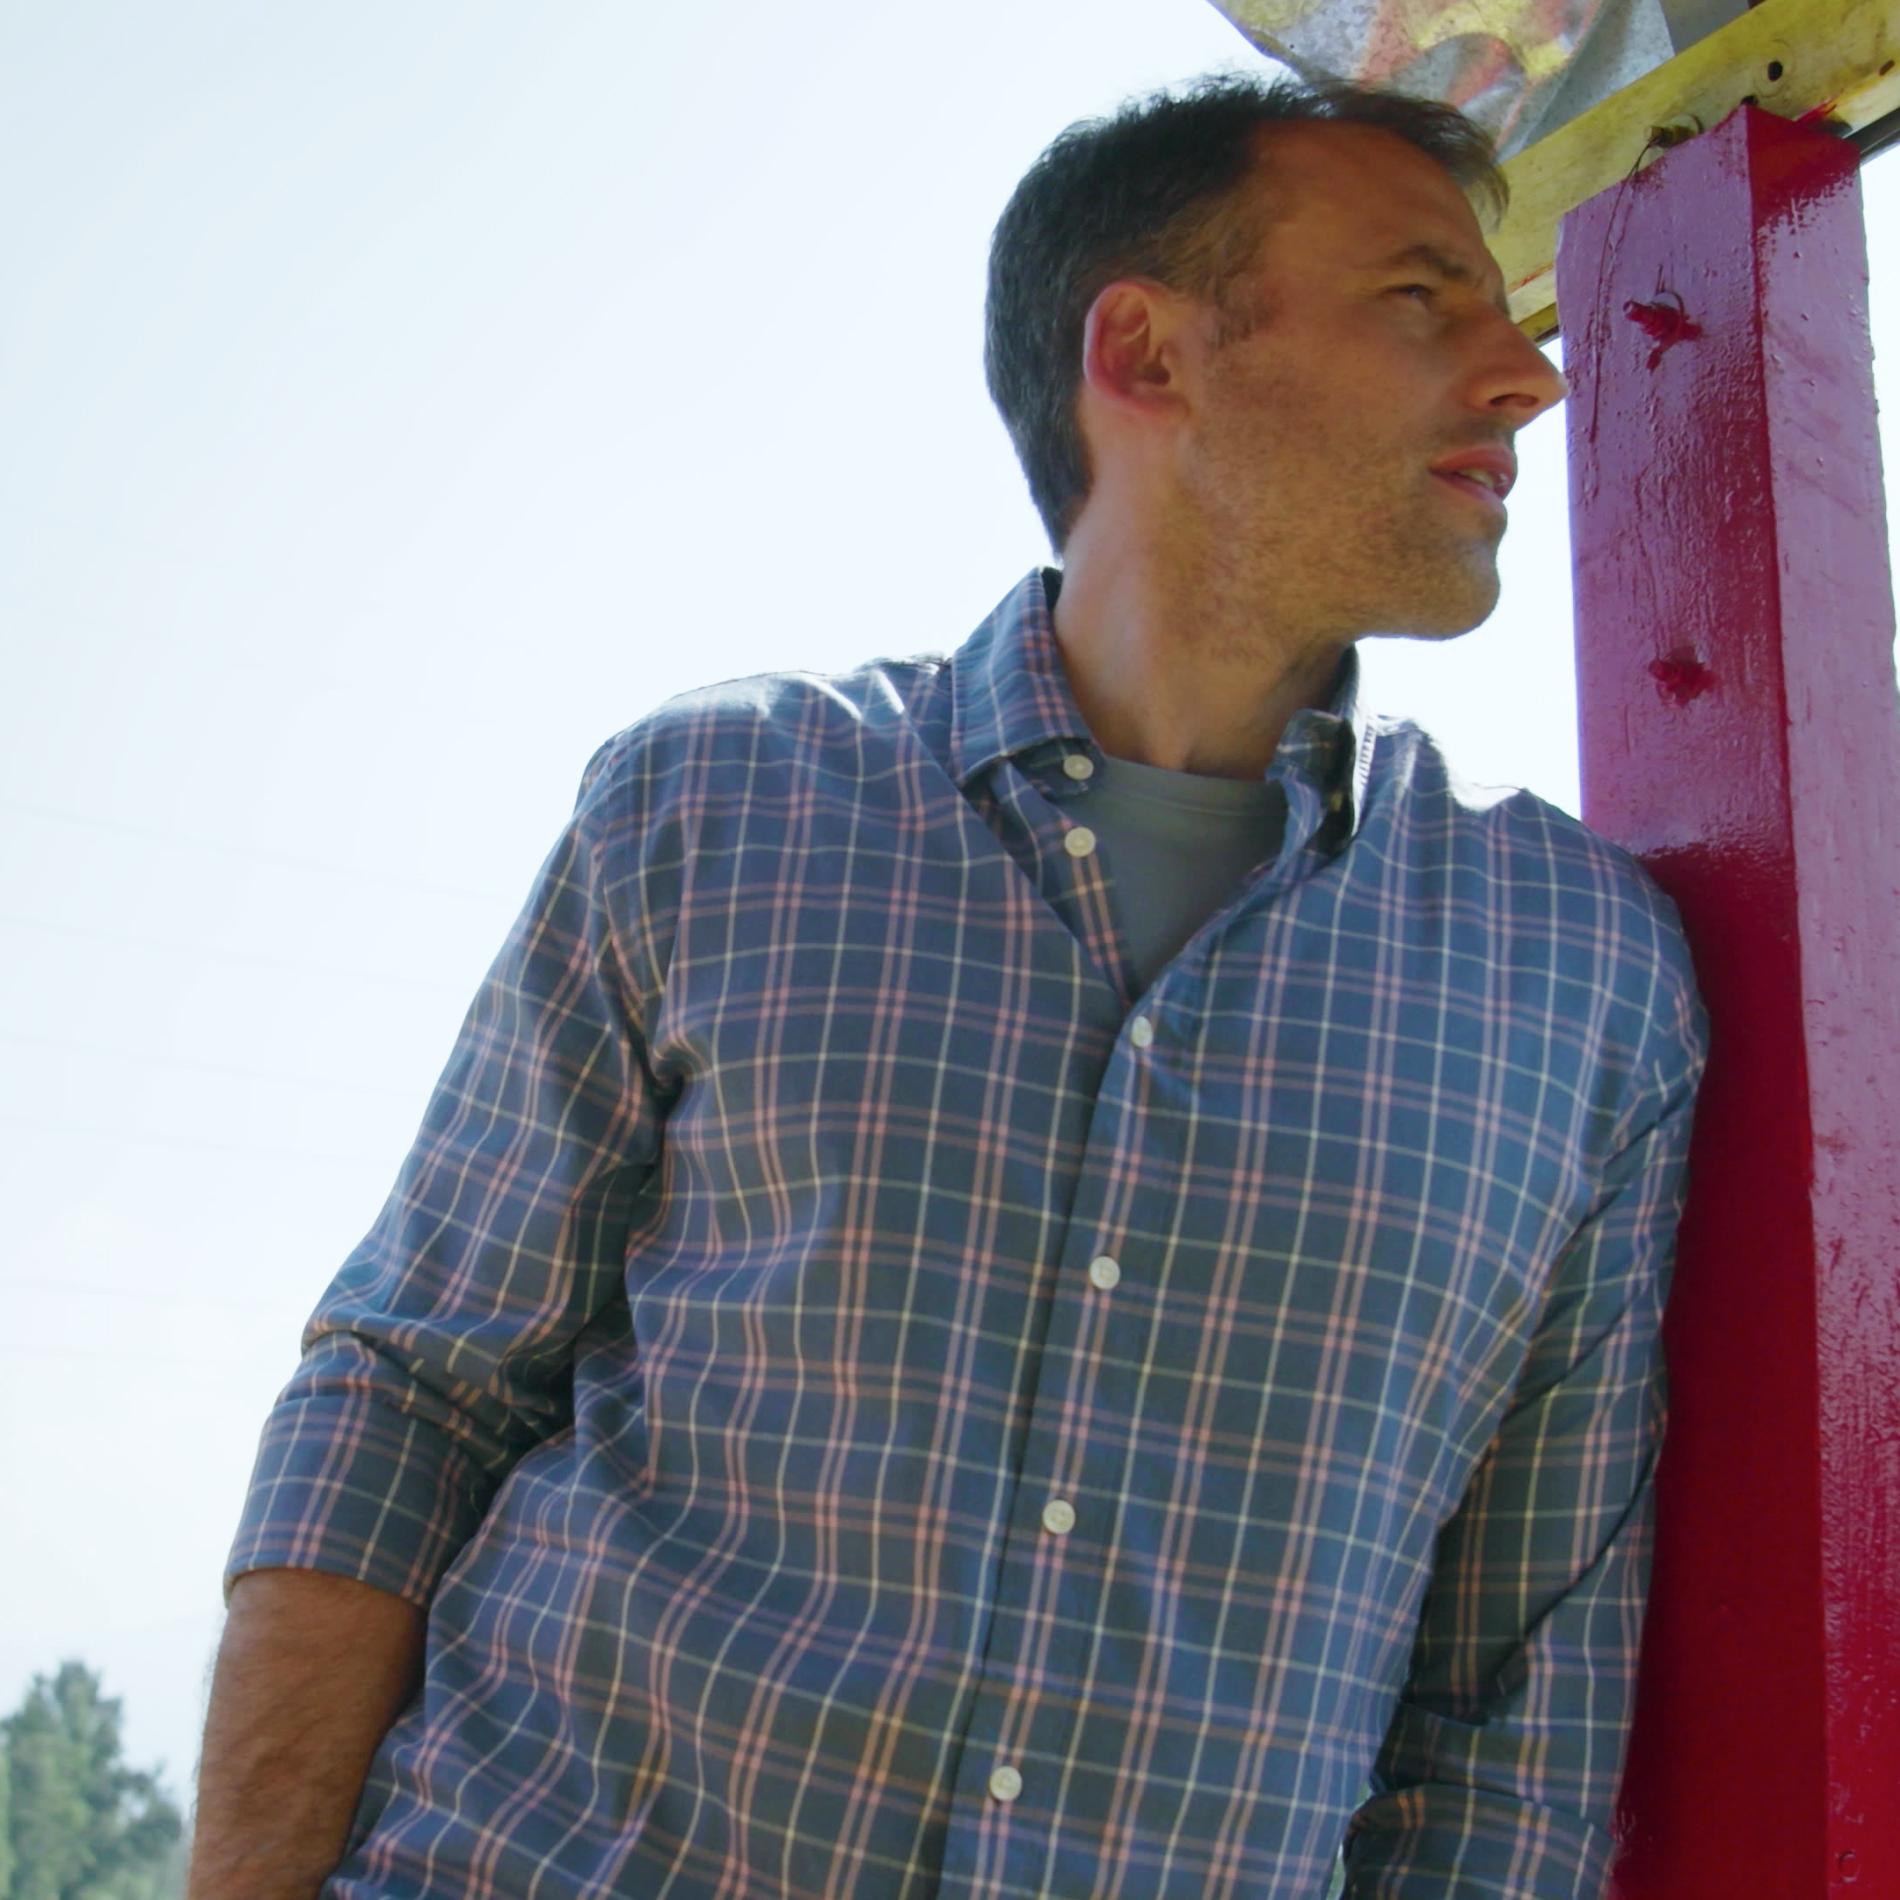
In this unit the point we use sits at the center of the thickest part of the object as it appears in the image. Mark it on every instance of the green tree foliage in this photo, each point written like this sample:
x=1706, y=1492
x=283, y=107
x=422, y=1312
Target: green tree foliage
x=6, y=1821
x=78, y=1823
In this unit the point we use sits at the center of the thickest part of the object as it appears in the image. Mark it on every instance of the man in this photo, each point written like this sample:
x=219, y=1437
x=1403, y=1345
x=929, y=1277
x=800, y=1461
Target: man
x=1031, y=1269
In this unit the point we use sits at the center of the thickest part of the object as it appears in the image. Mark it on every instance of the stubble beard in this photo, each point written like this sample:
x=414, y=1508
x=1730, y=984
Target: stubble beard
x=1289, y=557
x=1440, y=586
x=1399, y=573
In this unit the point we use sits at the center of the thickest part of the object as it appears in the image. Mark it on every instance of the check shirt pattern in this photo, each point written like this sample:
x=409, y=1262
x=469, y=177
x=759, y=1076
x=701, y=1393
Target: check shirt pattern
x=882, y=1410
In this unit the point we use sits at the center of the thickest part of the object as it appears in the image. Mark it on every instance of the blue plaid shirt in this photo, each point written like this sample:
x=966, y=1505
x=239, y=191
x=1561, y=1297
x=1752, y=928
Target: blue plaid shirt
x=878, y=1407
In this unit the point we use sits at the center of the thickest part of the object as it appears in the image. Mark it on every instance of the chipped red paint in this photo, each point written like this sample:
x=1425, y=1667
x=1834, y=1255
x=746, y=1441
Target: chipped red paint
x=1741, y=735
x=1682, y=677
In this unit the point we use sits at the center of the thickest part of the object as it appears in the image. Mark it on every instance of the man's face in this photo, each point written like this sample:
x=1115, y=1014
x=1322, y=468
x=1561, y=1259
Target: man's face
x=1309, y=459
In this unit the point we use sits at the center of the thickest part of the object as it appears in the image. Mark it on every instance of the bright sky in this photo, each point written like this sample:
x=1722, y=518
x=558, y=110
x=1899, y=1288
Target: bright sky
x=396, y=402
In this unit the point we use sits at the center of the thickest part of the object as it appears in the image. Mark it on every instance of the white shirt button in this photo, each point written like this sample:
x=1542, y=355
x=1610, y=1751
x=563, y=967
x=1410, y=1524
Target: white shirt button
x=1080, y=842
x=1079, y=765
x=1105, y=1271
x=1005, y=1783
x=1058, y=1515
x=1141, y=1032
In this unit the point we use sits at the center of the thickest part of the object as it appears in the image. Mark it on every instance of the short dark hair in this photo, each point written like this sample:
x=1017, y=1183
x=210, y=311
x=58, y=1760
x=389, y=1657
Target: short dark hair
x=1147, y=193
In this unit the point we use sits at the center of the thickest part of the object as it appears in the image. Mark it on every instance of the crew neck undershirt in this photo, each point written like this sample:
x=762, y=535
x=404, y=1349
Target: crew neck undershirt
x=1175, y=845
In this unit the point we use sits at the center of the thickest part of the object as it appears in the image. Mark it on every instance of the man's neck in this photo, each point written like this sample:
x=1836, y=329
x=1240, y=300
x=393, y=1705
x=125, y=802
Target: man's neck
x=1171, y=666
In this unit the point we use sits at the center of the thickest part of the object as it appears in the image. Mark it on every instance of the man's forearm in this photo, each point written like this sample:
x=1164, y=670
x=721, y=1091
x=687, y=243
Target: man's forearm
x=311, y=1671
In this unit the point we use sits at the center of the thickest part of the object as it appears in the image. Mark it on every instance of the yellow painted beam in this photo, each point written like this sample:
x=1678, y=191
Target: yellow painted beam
x=1790, y=56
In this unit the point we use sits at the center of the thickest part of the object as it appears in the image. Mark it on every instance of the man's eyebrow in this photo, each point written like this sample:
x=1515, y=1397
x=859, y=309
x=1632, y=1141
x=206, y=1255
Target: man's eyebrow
x=1430, y=257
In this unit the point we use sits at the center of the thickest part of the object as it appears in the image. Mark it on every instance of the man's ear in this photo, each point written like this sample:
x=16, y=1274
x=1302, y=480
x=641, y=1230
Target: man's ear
x=1131, y=346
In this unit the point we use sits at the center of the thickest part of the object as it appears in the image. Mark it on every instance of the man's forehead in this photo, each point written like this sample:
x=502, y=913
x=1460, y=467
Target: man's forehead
x=1367, y=199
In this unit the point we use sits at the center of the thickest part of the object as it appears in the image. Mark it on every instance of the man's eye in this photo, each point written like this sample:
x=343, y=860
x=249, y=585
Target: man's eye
x=1406, y=290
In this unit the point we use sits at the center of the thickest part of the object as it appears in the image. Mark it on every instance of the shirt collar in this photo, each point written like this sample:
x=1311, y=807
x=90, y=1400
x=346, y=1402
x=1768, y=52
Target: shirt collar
x=1011, y=691
x=1011, y=697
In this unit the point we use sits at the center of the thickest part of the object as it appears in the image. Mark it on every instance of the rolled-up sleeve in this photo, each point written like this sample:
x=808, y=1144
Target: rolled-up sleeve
x=1498, y=1775
x=443, y=1350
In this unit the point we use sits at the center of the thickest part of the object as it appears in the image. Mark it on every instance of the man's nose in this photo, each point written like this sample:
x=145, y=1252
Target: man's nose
x=1519, y=379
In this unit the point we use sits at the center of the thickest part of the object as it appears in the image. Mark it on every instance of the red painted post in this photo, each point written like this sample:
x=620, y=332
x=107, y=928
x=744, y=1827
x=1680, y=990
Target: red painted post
x=1741, y=736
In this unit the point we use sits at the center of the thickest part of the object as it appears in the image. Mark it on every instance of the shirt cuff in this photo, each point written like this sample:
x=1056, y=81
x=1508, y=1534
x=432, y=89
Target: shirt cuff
x=351, y=1486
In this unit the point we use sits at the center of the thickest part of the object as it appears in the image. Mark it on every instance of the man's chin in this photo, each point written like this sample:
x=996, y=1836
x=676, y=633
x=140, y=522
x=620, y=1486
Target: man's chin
x=1447, y=622
x=1434, y=594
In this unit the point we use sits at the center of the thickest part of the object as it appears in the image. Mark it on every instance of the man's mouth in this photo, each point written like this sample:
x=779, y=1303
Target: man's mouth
x=1474, y=486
